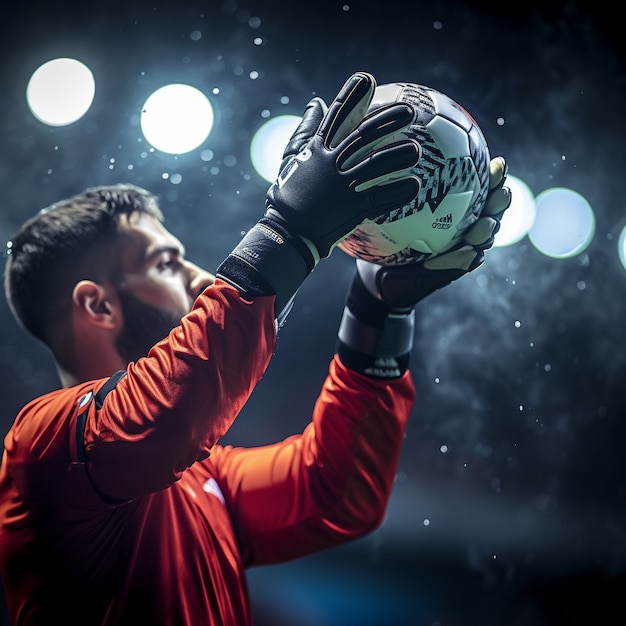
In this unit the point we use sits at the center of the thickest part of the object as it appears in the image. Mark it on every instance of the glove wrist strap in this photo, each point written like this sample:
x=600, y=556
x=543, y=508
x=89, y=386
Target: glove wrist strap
x=393, y=339
x=378, y=352
x=268, y=260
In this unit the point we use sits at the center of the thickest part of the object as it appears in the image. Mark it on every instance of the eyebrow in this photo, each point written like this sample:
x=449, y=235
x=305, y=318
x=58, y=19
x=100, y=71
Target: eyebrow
x=178, y=250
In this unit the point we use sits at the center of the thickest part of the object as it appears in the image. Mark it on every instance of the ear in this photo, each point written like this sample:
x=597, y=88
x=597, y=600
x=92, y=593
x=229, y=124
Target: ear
x=96, y=304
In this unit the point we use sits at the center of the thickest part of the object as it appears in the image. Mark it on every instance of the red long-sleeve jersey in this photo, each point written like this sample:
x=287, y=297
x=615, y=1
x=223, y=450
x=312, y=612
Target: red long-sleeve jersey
x=140, y=516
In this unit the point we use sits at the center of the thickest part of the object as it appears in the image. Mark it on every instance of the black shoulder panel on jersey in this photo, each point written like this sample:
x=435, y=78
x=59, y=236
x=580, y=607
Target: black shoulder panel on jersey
x=81, y=420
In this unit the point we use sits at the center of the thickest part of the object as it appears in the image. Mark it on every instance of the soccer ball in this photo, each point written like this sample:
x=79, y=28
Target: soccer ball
x=454, y=177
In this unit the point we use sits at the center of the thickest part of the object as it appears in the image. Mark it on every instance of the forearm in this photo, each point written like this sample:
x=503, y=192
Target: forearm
x=359, y=427
x=329, y=485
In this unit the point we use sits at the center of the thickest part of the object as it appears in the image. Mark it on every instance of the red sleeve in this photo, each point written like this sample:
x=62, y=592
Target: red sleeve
x=172, y=407
x=327, y=485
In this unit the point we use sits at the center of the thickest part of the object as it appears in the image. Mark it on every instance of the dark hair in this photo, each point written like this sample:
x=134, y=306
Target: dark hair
x=69, y=241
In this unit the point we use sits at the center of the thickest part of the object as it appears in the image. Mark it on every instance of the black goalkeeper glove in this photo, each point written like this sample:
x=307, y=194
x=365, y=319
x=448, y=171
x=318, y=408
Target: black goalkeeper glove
x=376, y=331
x=334, y=175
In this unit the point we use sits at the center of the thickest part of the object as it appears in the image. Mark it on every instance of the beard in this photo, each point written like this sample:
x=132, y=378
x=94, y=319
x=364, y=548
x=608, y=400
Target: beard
x=144, y=326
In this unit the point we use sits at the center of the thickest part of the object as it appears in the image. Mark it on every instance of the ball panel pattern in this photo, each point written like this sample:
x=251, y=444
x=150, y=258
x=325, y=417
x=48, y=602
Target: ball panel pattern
x=454, y=177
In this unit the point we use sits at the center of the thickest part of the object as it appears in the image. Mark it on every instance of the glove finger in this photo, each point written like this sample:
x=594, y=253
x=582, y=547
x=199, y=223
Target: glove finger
x=311, y=119
x=387, y=163
x=376, y=128
x=347, y=109
x=391, y=195
x=465, y=259
x=497, y=172
x=498, y=201
x=499, y=196
x=482, y=233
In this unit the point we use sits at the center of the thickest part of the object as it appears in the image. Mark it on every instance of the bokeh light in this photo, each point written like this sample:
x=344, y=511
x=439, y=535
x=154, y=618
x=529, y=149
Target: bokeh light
x=519, y=217
x=564, y=223
x=177, y=118
x=60, y=91
x=621, y=247
x=269, y=142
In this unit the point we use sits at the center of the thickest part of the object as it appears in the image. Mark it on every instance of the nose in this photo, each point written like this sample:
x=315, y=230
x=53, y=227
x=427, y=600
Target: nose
x=199, y=279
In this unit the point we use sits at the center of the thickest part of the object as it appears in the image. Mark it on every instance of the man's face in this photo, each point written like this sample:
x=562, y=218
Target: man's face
x=157, y=289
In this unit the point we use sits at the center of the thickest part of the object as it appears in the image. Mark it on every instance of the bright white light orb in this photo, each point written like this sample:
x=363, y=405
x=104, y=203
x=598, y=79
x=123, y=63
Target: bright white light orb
x=519, y=217
x=177, y=118
x=621, y=247
x=268, y=145
x=564, y=223
x=60, y=91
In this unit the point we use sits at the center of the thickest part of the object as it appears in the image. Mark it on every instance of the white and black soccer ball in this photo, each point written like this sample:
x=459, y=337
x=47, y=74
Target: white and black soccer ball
x=454, y=177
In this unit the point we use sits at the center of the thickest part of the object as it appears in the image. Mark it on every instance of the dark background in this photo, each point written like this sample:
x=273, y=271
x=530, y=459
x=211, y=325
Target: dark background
x=509, y=501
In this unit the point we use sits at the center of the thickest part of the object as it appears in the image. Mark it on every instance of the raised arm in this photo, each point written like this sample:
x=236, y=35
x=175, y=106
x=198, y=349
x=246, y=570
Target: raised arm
x=173, y=406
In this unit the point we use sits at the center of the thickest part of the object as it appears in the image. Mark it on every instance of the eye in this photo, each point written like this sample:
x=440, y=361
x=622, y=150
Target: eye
x=168, y=262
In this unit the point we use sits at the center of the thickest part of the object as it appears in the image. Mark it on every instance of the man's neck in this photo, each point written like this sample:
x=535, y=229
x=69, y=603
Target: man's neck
x=67, y=378
x=70, y=379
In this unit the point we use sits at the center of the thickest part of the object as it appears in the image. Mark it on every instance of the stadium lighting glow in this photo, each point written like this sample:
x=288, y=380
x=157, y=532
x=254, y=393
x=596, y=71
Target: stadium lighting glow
x=564, y=224
x=621, y=247
x=268, y=145
x=177, y=118
x=519, y=217
x=60, y=91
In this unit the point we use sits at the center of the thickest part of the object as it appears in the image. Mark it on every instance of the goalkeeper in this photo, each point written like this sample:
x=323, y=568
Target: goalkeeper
x=118, y=504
